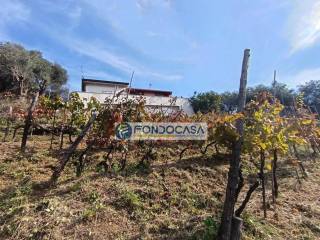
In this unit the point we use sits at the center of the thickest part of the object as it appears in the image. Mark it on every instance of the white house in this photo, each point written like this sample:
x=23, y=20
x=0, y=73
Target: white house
x=155, y=99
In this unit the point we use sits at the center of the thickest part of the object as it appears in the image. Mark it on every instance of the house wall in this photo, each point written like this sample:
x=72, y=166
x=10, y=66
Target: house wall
x=153, y=103
x=102, y=88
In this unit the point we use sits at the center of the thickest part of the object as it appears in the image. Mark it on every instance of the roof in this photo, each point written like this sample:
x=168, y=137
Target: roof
x=140, y=91
x=87, y=80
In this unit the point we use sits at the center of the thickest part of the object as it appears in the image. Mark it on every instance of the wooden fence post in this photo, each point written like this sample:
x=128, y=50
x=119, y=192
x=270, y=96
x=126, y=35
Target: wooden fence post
x=225, y=229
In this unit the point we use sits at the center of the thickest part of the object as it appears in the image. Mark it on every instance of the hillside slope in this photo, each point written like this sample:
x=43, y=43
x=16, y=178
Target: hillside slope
x=172, y=199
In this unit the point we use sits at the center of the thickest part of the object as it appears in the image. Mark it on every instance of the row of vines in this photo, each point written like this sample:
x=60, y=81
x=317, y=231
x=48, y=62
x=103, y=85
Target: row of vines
x=270, y=134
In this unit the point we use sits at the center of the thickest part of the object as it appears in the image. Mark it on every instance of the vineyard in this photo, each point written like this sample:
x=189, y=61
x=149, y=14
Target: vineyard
x=64, y=175
x=170, y=189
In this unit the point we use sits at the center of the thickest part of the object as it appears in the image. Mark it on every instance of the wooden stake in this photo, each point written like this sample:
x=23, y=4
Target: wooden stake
x=233, y=175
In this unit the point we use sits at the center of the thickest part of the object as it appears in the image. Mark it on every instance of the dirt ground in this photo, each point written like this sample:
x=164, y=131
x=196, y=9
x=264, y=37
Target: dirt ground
x=171, y=199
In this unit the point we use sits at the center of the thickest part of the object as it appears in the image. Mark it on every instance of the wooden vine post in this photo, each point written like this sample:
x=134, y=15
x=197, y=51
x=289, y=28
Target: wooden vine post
x=67, y=155
x=230, y=226
x=28, y=122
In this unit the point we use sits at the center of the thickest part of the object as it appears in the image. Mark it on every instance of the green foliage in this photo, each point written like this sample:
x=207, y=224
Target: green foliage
x=12, y=202
x=93, y=197
x=211, y=228
x=94, y=105
x=77, y=109
x=206, y=102
x=96, y=206
x=311, y=94
x=228, y=101
x=76, y=187
x=129, y=200
x=280, y=91
x=257, y=229
x=23, y=71
x=265, y=128
x=92, y=211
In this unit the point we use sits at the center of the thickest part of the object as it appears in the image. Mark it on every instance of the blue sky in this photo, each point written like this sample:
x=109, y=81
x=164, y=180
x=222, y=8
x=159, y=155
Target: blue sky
x=177, y=45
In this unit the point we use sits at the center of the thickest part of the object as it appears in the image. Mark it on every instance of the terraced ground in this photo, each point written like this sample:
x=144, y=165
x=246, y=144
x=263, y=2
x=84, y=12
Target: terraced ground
x=171, y=199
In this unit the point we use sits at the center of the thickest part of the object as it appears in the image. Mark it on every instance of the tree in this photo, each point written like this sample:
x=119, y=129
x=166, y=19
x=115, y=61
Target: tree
x=14, y=68
x=23, y=71
x=311, y=94
x=58, y=77
x=229, y=101
x=206, y=102
x=30, y=75
x=279, y=90
x=283, y=93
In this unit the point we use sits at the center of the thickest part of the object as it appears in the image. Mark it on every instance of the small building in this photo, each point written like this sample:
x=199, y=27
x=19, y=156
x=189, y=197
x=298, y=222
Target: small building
x=155, y=100
x=102, y=86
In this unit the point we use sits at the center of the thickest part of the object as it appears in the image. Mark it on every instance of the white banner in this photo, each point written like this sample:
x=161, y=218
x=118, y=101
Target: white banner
x=161, y=131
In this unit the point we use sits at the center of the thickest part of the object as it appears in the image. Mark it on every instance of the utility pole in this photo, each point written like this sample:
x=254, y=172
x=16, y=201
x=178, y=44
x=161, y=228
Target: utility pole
x=230, y=227
x=130, y=84
x=274, y=83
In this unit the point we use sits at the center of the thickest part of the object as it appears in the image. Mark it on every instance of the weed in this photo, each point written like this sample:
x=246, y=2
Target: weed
x=96, y=206
x=92, y=211
x=46, y=206
x=76, y=187
x=116, y=167
x=129, y=200
x=94, y=197
x=257, y=229
x=14, y=198
x=211, y=228
x=3, y=169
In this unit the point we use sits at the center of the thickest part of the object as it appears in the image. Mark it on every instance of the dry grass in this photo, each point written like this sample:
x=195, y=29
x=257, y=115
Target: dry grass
x=171, y=200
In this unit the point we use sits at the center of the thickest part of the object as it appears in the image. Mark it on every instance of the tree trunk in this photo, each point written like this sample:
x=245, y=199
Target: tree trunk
x=9, y=122
x=225, y=228
x=15, y=132
x=61, y=137
x=236, y=228
x=206, y=147
x=274, y=176
x=217, y=149
x=57, y=172
x=53, y=125
x=6, y=133
x=182, y=152
x=262, y=163
x=303, y=170
x=247, y=198
x=82, y=158
x=21, y=85
x=241, y=183
x=28, y=122
x=70, y=134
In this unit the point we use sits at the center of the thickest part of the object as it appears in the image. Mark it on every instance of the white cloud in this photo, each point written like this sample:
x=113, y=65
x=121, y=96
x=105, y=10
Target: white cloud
x=304, y=24
x=96, y=51
x=144, y=5
x=15, y=11
x=100, y=75
x=301, y=77
x=11, y=12
x=75, y=13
